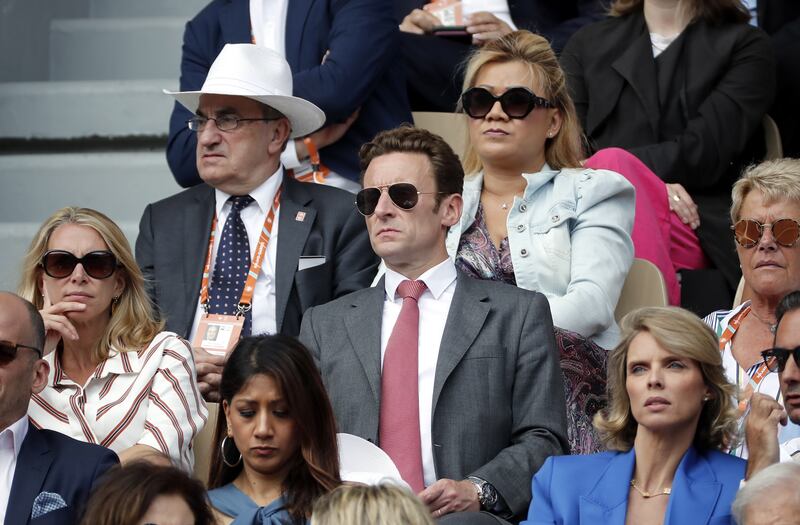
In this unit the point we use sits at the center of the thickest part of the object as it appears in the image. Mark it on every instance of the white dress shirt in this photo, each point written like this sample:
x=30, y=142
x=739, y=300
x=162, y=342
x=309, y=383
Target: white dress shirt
x=434, y=306
x=253, y=216
x=10, y=442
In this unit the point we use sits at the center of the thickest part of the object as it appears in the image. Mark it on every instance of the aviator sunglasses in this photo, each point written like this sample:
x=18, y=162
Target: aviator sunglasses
x=748, y=232
x=404, y=195
x=59, y=264
x=776, y=358
x=516, y=102
x=8, y=351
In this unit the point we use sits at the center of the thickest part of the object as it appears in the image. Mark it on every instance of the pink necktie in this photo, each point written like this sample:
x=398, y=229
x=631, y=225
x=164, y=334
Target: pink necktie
x=399, y=420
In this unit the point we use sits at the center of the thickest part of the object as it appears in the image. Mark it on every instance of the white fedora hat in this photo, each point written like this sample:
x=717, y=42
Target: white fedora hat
x=248, y=70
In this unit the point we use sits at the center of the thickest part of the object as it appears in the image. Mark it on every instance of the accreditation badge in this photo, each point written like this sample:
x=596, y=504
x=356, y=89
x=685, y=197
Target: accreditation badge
x=218, y=334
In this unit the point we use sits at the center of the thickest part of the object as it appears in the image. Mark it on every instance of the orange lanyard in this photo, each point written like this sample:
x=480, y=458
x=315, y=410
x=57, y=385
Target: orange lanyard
x=762, y=370
x=255, y=266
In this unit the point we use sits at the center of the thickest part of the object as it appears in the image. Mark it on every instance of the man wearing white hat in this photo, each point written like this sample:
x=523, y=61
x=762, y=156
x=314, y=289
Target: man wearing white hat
x=251, y=249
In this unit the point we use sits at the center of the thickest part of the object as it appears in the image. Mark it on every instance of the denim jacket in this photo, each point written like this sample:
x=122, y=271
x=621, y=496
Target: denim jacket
x=569, y=237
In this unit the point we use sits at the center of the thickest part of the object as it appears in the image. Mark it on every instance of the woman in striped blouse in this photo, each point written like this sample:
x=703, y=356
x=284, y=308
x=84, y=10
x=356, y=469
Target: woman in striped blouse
x=115, y=378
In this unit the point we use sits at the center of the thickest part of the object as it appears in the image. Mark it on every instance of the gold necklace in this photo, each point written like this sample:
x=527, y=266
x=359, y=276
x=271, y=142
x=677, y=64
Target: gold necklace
x=664, y=492
x=771, y=326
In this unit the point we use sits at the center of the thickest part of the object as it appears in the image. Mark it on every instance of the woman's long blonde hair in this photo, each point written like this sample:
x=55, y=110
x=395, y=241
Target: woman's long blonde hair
x=565, y=149
x=132, y=325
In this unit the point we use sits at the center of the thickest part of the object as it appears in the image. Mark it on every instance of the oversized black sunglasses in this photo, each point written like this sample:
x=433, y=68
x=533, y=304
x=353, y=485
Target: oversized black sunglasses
x=516, y=102
x=8, y=351
x=776, y=358
x=60, y=263
x=748, y=232
x=404, y=195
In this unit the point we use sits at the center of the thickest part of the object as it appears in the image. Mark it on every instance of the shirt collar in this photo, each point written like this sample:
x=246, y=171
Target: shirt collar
x=263, y=194
x=117, y=363
x=436, y=279
x=17, y=430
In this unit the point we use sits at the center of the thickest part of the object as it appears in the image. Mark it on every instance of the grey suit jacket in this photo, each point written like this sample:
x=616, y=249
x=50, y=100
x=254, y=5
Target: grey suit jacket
x=498, y=397
x=173, y=239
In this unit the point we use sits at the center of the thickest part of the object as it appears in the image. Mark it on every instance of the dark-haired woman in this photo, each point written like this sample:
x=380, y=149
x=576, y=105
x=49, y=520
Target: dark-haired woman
x=276, y=451
x=683, y=85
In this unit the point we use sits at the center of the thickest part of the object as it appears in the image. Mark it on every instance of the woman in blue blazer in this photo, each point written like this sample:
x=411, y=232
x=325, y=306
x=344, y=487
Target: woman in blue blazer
x=670, y=413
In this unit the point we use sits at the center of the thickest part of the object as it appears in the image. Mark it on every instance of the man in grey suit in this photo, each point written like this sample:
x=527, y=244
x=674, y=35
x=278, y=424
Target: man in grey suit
x=486, y=394
x=312, y=244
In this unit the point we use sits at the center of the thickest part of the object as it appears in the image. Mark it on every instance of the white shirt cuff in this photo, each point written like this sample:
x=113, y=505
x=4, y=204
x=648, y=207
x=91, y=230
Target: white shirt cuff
x=289, y=156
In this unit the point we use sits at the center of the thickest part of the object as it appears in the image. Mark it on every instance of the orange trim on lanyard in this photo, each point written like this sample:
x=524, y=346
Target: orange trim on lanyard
x=255, y=266
x=762, y=370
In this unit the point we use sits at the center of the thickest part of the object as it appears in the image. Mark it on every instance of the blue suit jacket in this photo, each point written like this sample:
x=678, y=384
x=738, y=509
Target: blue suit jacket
x=360, y=72
x=594, y=489
x=52, y=462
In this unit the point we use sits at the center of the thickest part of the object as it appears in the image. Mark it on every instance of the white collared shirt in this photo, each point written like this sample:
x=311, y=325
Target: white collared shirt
x=434, y=306
x=253, y=216
x=11, y=439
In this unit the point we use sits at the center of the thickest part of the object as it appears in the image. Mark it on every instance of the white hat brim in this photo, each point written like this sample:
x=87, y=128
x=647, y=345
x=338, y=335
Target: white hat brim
x=304, y=116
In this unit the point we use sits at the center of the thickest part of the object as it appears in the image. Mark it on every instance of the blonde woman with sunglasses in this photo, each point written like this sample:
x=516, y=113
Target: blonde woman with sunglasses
x=764, y=216
x=116, y=379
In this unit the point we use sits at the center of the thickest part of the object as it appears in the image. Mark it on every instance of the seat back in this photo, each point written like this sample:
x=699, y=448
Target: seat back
x=203, y=443
x=452, y=127
x=644, y=286
x=772, y=137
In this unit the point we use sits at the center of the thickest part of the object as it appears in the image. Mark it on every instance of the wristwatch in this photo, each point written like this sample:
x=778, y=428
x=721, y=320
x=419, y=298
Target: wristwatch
x=487, y=494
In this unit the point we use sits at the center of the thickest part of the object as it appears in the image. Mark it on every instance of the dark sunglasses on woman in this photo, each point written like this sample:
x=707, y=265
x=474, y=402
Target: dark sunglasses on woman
x=404, y=195
x=517, y=102
x=8, y=351
x=748, y=232
x=59, y=264
x=776, y=358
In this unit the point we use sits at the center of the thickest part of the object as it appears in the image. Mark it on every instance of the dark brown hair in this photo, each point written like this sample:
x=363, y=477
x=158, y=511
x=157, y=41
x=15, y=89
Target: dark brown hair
x=315, y=469
x=124, y=494
x=711, y=11
x=447, y=170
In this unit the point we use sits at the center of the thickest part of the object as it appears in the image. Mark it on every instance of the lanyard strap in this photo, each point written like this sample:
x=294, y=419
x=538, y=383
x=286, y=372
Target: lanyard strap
x=752, y=381
x=255, y=266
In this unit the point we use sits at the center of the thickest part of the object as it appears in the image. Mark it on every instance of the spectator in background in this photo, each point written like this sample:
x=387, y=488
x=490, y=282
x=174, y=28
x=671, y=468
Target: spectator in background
x=341, y=55
x=116, y=379
x=384, y=504
x=683, y=85
x=765, y=215
x=433, y=62
x=767, y=414
x=310, y=243
x=533, y=217
x=45, y=476
x=276, y=449
x=142, y=493
x=770, y=498
x=670, y=415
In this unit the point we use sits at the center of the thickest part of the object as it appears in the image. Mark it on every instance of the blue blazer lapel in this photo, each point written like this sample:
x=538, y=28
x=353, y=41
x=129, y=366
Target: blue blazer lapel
x=695, y=491
x=234, y=22
x=607, y=502
x=363, y=325
x=296, y=17
x=33, y=464
x=466, y=318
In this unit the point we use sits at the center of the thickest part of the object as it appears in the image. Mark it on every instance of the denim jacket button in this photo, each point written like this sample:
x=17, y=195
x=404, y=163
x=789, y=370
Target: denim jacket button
x=555, y=218
x=523, y=207
x=523, y=252
x=521, y=228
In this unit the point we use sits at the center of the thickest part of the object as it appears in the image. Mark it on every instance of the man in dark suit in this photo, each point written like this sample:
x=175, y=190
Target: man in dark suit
x=341, y=53
x=306, y=242
x=50, y=475
x=468, y=398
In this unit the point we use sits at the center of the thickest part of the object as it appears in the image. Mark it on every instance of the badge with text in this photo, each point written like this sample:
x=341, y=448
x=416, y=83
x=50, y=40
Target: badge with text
x=218, y=334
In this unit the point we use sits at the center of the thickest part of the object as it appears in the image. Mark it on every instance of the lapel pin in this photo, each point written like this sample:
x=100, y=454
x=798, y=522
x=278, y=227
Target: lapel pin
x=300, y=217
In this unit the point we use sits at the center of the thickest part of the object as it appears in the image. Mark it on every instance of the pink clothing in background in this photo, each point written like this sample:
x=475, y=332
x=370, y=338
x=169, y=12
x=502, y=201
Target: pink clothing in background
x=659, y=235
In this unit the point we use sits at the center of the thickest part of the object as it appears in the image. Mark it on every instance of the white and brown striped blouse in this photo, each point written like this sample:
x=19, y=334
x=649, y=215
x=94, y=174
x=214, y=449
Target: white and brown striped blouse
x=149, y=397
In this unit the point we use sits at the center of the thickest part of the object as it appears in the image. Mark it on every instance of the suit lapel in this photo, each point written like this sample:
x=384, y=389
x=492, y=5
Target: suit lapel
x=296, y=17
x=695, y=491
x=637, y=66
x=607, y=502
x=234, y=21
x=294, y=225
x=465, y=320
x=33, y=464
x=196, y=227
x=363, y=325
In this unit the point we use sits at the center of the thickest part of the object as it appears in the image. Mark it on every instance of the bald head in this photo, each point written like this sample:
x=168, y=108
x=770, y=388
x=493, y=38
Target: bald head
x=20, y=318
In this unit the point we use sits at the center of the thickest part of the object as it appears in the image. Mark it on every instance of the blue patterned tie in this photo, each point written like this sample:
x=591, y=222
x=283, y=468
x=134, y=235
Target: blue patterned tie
x=231, y=265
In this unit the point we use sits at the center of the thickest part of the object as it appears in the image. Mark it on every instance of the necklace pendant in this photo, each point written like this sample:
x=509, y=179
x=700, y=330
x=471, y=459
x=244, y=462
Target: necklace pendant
x=504, y=206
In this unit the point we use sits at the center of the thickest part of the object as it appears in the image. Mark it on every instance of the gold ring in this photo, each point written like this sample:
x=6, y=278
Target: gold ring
x=676, y=198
